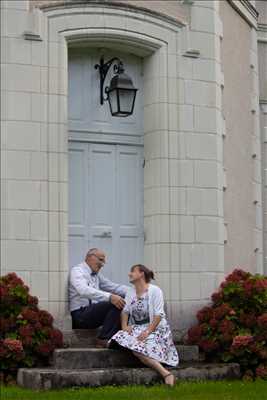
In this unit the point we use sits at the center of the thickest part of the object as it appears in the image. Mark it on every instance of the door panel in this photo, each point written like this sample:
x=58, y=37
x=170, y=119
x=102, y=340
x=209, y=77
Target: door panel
x=130, y=207
x=106, y=205
x=102, y=185
x=76, y=101
x=77, y=201
x=128, y=184
x=101, y=193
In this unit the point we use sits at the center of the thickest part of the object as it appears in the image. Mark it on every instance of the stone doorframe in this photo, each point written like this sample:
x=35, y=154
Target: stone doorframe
x=172, y=233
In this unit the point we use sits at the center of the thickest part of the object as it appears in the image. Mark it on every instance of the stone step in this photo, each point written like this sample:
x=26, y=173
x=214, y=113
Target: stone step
x=51, y=378
x=82, y=338
x=84, y=358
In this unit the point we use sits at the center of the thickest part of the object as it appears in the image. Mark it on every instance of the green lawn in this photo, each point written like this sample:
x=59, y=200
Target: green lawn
x=226, y=390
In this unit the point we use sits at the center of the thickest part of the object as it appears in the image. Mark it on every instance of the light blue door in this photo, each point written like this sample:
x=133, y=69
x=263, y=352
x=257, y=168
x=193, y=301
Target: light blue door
x=106, y=204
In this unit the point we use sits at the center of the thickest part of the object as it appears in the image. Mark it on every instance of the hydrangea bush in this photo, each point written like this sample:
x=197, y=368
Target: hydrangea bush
x=233, y=328
x=27, y=335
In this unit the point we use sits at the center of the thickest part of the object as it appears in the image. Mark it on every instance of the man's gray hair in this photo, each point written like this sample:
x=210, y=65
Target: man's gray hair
x=91, y=251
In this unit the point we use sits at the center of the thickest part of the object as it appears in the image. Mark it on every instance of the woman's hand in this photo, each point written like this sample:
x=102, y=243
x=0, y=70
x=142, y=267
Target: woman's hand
x=143, y=335
x=128, y=329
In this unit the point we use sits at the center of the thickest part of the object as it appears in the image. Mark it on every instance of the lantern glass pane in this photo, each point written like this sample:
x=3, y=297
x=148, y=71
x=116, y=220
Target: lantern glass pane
x=126, y=100
x=113, y=101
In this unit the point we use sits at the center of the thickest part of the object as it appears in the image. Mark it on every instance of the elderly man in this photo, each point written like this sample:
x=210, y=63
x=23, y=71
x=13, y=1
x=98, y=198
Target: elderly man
x=95, y=300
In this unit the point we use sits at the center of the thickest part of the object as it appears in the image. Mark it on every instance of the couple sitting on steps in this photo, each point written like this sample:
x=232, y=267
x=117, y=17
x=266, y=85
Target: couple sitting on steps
x=131, y=317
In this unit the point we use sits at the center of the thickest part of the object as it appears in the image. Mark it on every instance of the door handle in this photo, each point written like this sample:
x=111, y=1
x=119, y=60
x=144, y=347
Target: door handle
x=106, y=234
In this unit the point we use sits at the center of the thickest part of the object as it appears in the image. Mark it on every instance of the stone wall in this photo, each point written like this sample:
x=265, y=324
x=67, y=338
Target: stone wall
x=262, y=57
x=174, y=9
x=243, y=222
x=33, y=169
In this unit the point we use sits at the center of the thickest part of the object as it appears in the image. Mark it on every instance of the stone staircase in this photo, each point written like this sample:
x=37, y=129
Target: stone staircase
x=81, y=364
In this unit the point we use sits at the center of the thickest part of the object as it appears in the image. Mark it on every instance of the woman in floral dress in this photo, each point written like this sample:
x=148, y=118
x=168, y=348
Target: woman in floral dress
x=145, y=329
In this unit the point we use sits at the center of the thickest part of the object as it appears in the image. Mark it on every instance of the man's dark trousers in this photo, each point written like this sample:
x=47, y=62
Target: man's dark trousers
x=103, y=314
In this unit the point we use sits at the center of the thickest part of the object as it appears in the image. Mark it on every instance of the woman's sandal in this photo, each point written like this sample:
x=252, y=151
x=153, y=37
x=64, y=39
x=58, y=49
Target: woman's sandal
x=173, y=382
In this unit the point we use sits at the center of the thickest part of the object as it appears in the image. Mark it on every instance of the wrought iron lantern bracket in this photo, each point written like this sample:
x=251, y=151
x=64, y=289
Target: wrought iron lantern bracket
x=103, y=70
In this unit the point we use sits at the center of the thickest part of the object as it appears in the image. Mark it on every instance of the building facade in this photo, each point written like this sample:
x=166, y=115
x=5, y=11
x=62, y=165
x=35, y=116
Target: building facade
x=180, y=185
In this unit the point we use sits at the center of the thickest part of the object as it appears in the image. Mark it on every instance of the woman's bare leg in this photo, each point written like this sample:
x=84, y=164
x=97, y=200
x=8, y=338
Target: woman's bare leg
x=156, y=365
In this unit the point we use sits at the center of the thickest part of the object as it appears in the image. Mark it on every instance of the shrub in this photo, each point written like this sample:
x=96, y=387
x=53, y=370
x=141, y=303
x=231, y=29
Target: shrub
x=233, y=328
x=27, y=336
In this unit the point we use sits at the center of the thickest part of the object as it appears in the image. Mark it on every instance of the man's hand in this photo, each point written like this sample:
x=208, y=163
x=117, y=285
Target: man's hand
x=117, y=301
x=128, y=329
x=143, y=335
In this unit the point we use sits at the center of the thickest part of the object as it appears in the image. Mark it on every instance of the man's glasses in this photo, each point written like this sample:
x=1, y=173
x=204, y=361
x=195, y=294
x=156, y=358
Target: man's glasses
x=102, y=260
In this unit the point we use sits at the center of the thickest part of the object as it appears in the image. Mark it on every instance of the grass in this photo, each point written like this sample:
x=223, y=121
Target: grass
x=220, y=390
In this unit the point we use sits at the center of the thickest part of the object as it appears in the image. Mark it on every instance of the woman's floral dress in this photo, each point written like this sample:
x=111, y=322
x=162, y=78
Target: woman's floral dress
x=158, y=345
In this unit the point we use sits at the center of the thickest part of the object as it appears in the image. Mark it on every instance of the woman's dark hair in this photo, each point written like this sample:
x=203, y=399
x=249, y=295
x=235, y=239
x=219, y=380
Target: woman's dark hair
x=149, y=275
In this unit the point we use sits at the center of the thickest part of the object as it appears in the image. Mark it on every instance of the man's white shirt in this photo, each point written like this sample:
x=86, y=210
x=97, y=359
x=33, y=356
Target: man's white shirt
x=87, y=287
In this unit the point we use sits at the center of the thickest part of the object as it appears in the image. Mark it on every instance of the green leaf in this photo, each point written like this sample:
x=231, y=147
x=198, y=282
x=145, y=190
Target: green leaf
x=12, y=335
x=226, y=357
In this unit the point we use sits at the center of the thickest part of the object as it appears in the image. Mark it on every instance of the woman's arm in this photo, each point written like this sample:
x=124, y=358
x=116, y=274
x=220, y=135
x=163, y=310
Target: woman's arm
x=151, y=327
x=158, y=302
x=156, y=320
x=158, y=312
x=124, y=320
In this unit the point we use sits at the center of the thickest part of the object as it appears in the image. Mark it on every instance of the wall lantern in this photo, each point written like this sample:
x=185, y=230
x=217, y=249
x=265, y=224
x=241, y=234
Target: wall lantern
x=121, y=92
